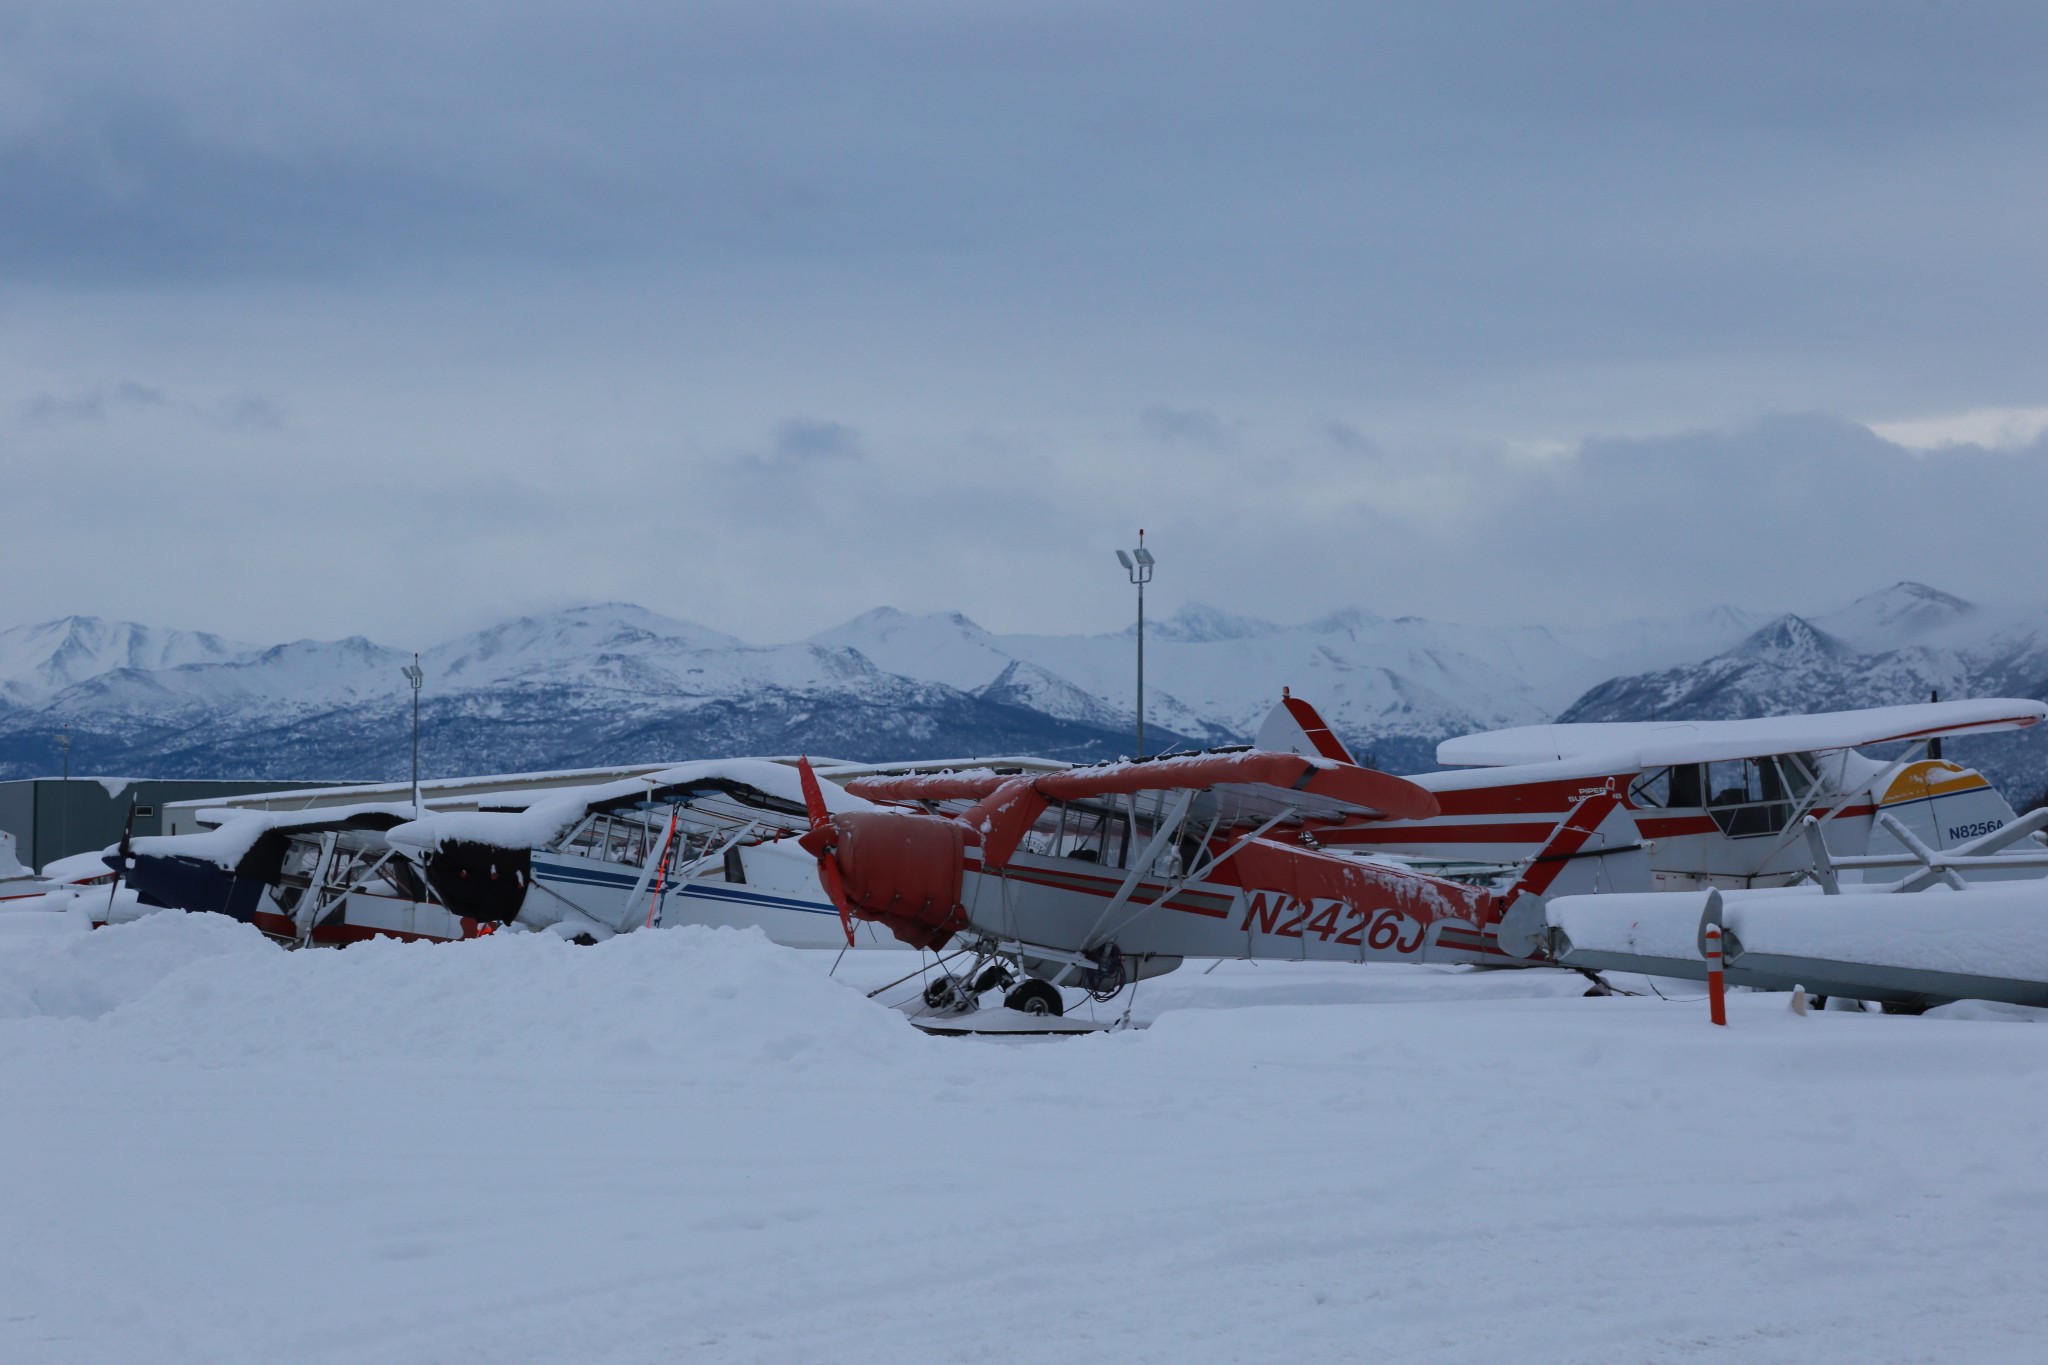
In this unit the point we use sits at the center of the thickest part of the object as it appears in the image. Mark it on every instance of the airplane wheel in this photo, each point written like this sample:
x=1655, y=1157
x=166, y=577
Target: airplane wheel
x=1036, y=997
x=941, y=993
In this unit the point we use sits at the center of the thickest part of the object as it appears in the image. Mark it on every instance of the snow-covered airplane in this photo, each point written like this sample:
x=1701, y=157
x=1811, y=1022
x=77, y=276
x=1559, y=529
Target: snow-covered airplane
x=1718, y=802
x=1099, y=877
x=698, y=843
x=18, y=882
x=69, y=895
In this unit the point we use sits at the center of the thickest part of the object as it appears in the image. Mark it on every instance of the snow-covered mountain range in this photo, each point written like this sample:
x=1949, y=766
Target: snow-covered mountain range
x=618, y=683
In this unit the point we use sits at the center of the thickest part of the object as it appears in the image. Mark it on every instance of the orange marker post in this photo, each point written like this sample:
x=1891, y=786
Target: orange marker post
x=1717, y=990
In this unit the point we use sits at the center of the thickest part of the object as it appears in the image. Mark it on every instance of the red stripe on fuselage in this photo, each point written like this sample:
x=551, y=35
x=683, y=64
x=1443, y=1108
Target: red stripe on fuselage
x=1105, y=888
x=1391, y=835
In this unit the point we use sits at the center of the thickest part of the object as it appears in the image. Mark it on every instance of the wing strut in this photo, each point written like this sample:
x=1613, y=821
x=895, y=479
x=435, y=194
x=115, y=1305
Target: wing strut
x=1161, y=837
x=1194, y=876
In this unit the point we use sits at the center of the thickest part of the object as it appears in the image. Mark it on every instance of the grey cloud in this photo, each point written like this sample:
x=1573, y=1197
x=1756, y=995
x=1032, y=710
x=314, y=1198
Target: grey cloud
x=1031, y=276
x=1193, y=426
x=92, y=405
x=799, y=448
x=1349, y=439
x=251, y=412
x=1791, y=513
x=801, y=440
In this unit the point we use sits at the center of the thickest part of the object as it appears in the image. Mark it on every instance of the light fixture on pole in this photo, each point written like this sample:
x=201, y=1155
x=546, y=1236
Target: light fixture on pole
x=1138, y=564
x=414, y=676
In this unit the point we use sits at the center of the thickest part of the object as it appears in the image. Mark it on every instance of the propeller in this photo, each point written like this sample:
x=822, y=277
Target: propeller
x=821, y=842
x=121, y=862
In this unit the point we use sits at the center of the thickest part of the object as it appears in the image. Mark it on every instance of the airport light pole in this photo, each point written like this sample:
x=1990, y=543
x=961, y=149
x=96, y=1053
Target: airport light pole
x=414, y=676
x=63, y=797
x=1138, y=564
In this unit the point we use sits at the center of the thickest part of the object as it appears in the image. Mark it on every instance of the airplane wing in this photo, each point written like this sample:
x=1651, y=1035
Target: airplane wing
x=1650, y=744
x=1234, y=789
x=252, y=838
x=729, y=793
x=226, y=869
x=1246, y=787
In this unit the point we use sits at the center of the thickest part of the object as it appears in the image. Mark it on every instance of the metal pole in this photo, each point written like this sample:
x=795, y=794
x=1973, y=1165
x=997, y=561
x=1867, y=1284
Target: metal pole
x=414, y=676
x=1138, y=565
x=63, y=799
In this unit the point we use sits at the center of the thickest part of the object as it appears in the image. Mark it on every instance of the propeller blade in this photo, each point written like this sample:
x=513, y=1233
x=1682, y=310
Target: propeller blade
x=127, y=843
x=814, y=796
x=819, y=844
x=835, y=887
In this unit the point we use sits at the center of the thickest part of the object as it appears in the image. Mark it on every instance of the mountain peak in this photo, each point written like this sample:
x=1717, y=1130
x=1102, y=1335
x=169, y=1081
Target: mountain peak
x=1790, y=640
x=1345, y=619
x=1894, y=616
x=1198, y=623
x=38, y=661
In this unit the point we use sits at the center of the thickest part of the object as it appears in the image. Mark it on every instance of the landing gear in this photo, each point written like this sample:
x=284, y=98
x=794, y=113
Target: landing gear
x=962, y=994
x=948, y=994
x=1036, y=997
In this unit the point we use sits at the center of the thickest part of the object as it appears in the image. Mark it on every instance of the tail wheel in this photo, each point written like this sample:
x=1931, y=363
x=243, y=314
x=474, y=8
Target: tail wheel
x=1036, y=997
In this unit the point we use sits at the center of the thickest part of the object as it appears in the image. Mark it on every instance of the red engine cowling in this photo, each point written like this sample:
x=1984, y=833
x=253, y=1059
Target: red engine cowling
x=903, y=871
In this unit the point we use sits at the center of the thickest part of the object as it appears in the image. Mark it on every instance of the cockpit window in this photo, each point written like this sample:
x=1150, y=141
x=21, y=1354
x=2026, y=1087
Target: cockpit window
x=1747, y=796
x=1651, y=790
x=1744, y=796
x=1800, y=772
x=613, y=838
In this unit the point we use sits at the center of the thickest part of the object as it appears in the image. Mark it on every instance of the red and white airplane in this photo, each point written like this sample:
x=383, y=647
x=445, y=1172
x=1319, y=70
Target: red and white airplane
x=1719, y=803
x=1099, y=877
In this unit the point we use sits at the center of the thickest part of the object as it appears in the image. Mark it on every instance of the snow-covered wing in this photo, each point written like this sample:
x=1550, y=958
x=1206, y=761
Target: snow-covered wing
x=229, y=844
x=1652, y=743
x=966, y=784
x=1241, y=788
x=727, y=792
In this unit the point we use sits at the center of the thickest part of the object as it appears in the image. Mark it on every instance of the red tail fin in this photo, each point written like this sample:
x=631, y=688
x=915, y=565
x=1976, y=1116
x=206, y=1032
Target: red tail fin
x=1295, y=727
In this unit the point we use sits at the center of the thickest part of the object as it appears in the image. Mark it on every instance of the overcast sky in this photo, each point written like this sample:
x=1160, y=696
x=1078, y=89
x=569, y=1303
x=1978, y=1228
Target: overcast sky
x=391, y=319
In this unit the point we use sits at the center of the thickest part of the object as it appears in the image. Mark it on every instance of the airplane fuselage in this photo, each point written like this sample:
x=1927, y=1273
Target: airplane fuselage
x=1497, y=817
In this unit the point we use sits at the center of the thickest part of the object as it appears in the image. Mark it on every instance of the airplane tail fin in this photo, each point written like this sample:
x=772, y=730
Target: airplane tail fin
x=1944, y=805
x=1295, y=727
x=1595, y=848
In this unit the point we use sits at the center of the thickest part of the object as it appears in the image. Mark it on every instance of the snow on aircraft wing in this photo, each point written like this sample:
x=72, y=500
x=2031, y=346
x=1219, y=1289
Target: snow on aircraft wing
x=230, y=844
x=1649, y=744
x=731, y=793
x=1240, y=788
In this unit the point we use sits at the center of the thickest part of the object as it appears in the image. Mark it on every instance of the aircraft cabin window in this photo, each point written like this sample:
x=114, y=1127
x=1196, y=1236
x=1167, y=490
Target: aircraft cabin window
x=1083, y=835
x=1799, y=772
x=1687, y=792
x=1651, y=789
x=1747, y=797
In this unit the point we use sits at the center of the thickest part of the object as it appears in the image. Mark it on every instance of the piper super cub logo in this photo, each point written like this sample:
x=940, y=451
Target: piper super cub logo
x=1332, y=921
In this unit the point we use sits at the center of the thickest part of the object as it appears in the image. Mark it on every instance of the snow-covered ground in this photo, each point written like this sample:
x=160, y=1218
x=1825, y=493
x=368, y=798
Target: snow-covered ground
x=695, y=1146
